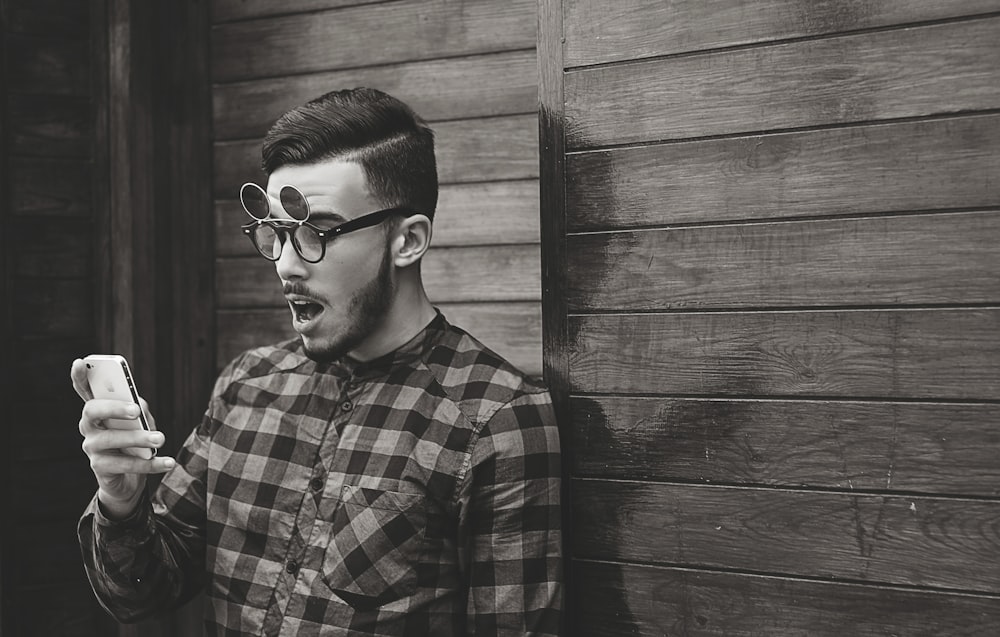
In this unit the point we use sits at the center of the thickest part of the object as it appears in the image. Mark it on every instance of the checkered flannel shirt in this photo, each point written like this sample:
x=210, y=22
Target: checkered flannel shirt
x=417, y=494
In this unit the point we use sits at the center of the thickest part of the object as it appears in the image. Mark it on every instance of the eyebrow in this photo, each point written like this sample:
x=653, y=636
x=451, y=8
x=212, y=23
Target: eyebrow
x=327, y=215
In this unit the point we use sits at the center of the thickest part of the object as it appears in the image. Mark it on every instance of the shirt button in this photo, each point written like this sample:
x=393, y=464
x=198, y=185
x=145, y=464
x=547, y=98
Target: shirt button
x=316, y=484
x=347, y=405
x=292, y=567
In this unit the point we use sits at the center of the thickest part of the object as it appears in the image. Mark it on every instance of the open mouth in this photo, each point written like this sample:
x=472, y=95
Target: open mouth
x=304, y=312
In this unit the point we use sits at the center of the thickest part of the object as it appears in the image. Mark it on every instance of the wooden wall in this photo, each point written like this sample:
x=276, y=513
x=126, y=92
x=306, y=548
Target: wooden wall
x=771, y=239
x=49, y=147
x=468, y=68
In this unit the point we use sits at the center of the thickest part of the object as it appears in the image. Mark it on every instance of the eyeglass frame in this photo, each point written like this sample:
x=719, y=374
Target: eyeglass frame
x=291, y=226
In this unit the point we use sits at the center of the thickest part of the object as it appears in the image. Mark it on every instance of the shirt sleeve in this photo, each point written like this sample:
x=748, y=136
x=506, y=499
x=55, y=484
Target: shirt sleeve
x=514, y=523
x=154, y=560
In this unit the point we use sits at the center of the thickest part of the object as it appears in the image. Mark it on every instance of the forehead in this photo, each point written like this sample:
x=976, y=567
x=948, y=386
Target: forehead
x=333, y=185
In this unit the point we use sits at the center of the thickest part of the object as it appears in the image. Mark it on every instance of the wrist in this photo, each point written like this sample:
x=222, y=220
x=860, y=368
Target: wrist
x=118, y=509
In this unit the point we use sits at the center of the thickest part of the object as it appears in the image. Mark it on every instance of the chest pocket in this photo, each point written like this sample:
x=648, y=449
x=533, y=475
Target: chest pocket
x=377, y=538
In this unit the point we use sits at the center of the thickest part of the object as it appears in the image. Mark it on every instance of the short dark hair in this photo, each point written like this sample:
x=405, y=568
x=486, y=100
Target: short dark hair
x=391, y=143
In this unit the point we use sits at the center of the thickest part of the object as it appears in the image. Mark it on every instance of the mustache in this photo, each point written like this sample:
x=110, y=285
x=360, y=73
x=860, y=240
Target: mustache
x=300, y=289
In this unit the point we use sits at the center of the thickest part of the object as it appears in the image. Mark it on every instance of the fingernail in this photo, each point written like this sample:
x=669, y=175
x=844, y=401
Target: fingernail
x=168, y=463
x=132, y=410
x=156, y=438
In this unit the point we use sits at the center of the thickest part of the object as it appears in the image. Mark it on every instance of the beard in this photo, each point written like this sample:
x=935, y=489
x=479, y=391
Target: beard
x=366, y=310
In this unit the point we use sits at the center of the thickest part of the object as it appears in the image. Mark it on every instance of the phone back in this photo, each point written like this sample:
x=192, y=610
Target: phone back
x=110, y=378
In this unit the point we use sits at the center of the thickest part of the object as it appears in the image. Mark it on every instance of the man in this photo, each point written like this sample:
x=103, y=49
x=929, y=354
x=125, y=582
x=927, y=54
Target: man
x=383, y=473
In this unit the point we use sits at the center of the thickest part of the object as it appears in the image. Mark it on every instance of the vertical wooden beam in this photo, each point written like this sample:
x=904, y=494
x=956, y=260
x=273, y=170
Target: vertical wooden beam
x=156, y=232
x=6, y=268
x=552, y=150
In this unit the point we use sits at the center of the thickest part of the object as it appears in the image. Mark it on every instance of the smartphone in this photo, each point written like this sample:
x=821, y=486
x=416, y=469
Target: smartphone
x=110, y=378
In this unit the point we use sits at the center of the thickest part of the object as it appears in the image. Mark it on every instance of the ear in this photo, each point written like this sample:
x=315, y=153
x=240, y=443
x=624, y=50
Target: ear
x=410, y=240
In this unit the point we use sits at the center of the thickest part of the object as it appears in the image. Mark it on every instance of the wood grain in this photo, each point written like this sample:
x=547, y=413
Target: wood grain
x=946, y=354
x=934, y=164
x=420, y=30
x=512, y=329
x=483, y=273
x=482, y=213
x=886, y=261
x=618, y=599
x=644, y=28
x=50, y=125
x=943, y=68
x=54, y=308
x=919, y=447
x=228, y=10
x=454, y=88
x=47, y=249
x=912, y=540
x=47, y=65
x=467, y=151
x=50, y=187
x=68, y=20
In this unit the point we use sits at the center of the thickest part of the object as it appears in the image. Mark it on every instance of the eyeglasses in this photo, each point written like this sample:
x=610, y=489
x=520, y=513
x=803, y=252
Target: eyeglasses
x=268, y=234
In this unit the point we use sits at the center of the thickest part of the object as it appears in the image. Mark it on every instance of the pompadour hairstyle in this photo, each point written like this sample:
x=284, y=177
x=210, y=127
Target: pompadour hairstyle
x=391, y=143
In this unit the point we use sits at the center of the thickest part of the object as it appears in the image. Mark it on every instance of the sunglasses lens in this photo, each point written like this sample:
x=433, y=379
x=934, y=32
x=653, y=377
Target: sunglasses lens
x=254, y=201
x=294, y=203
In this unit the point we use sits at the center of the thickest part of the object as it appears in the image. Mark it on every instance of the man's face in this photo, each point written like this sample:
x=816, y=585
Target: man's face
x=338, y=303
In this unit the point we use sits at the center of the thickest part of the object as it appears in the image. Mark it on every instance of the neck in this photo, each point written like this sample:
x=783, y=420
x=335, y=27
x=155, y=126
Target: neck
x=409, y=312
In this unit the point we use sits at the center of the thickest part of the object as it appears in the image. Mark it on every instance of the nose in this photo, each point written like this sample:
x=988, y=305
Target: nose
x=290, y=265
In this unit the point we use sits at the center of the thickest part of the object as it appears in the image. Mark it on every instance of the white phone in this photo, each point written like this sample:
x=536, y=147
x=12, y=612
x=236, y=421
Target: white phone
x=110, y=378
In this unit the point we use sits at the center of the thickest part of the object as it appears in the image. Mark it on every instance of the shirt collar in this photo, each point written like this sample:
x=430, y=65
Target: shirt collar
x=410, y=352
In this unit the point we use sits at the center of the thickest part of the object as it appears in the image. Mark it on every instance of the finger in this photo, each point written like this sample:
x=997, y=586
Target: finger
x=116, y=440
x=78, y=374
x=97, y=410
x=120, y=464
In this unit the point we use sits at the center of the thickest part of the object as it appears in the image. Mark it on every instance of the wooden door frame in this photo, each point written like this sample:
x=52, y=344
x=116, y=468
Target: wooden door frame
x=155, y=228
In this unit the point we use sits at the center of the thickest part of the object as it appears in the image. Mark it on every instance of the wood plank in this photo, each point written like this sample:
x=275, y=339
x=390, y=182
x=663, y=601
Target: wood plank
x=487, y=213
x=50, y=187
x=482, y=273
x=922, y=354
x=229, y=10
x=48, y=18
x=480, y=213
x=453, y=88
x=52, y=249
x=944, y=68
x=923, y=447
x=48, y=125
x=644, y=28
x=53, y=308
x=467, y=151
x=47, y=65
x=619, y=599
x=883, y=261
x=406, y=31
x=938, y=164
x=912, y=540
x=512, y=329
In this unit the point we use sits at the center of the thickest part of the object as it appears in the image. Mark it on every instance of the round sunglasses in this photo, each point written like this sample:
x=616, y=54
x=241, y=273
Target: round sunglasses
x=268, y=233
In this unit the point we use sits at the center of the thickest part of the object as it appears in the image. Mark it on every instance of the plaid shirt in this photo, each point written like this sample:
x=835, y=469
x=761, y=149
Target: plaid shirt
x=417, y=494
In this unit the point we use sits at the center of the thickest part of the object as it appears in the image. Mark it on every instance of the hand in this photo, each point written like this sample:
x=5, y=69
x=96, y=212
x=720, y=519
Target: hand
x=121, y=477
